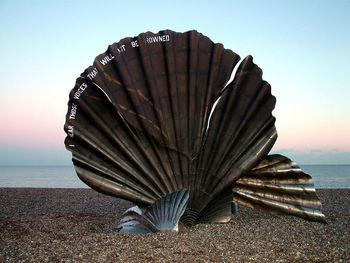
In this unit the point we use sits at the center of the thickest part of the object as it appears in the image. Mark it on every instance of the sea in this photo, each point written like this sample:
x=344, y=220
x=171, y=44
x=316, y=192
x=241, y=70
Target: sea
x=325, y=176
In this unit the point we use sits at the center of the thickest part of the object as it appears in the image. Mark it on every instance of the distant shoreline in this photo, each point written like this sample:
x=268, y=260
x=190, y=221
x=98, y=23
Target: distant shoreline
x=324, y=176
x=88, y=188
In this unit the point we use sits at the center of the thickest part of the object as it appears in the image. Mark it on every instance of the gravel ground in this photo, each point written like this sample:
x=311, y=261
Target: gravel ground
x=75, y=225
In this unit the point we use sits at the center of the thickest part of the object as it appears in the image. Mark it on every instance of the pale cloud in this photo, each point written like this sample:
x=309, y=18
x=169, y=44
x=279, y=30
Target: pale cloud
x=315, y=150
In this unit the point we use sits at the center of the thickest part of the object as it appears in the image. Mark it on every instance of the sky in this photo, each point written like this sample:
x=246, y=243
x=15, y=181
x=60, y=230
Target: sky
x=303, y=48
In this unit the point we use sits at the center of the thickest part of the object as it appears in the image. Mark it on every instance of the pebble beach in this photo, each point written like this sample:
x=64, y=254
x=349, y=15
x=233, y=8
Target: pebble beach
x=76, y=225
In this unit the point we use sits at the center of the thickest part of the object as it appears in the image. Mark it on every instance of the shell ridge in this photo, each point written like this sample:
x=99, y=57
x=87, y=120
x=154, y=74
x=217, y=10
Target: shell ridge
x=155, y=157
x=275, y=162
x=217, y=118
x=209, y=99
x=210, y=146
x=177, y=100
x=293, y=194
x=246, y=162
x=110, y=187
x=168, y=73
x=242, y=130
x=90, y=165
x=166, y=182
x=134, y=95
x=172, y=165
x=119, y=142
x=118, y=88
x=153, y=87
x=103, y=150
x=126, y=76
x=151, y=84
x=231, y=98
x=232, y=147
x=216, y=135
x=211, y=87
x=192, y=92
x=282, y=202
x=81, y=100
x=276, y=207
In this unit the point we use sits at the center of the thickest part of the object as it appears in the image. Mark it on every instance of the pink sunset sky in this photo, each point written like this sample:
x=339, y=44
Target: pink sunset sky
x=302, y=47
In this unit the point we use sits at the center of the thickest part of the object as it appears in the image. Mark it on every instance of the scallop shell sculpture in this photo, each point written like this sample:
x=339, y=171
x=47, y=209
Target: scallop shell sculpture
x=156, y=114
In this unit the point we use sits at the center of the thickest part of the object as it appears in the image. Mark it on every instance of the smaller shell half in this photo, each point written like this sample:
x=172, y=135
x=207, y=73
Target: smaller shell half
x=278, y=186
x=163, y=215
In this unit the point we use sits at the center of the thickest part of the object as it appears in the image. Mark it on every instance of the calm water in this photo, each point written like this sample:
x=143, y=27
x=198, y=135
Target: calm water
x=40, y=176
x=325, y=176
x=329, y=176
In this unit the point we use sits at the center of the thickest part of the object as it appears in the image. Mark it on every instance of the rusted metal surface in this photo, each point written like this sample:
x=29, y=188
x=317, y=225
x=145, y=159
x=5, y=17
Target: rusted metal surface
x=153, y=115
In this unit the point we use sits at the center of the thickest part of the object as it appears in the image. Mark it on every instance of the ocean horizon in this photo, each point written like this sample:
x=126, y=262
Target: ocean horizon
x=324, y=176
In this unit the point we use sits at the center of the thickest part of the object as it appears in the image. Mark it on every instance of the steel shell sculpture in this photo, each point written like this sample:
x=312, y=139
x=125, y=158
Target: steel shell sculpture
x=156, y=114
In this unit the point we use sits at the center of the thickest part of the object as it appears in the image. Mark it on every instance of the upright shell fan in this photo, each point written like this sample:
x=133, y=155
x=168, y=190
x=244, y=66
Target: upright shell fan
x=155, y=114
